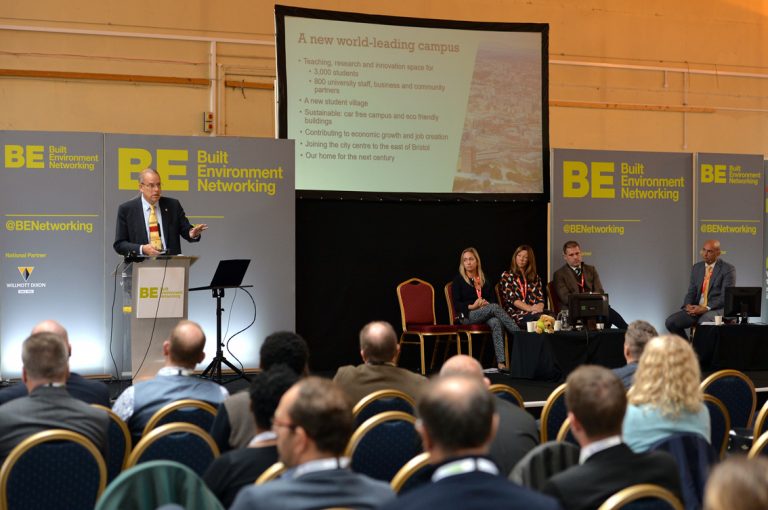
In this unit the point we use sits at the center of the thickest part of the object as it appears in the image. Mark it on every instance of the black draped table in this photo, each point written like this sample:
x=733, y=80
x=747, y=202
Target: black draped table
x=552, y=357
x=741, y=347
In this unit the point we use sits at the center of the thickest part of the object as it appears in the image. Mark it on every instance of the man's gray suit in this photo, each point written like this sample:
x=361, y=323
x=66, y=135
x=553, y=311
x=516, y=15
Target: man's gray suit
x=319, y=489
x=723, y=275
x=48, y=408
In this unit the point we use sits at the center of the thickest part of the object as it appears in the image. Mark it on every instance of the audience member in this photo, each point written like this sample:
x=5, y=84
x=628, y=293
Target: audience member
x=638, y=334
x=182, y=351
x=575, y=277
x=233, y=426
x=235, y=469
x=706, y=292
x=596, y=402
x=517, y=433
x=666, y=398
x=45, y=368
x=379, y=350
x=90, y=392
x=738, y=483
x=313, y=423
x=457, y=422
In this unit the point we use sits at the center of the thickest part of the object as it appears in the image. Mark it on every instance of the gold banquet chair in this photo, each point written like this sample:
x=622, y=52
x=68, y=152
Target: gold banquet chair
x=380, y=401
x=52, y=467
x=196, y=412
x=641, y=491
x=182, y=442
x=119, y=439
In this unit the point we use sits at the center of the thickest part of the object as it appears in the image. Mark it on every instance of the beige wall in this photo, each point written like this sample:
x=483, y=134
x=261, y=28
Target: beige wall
x=607, y=60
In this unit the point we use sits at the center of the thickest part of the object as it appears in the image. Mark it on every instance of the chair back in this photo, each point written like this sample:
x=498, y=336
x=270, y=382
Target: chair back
x=186, y=410
x=736, y=391
x=646, y=496
x=553, y=414
x=383, y=444
x=52, y=467
x=695, y=458
x=543, y=462
x=152, y=484
x=448, y=290
x=758, y=446
x=412, y=474
x=719, y=424
x=554, y=300
x=382, y=401
x=272, y=472
x=565, y=433
x=417, y=302
x=508, y=393
x=119, y=443
x=761, y=423
x=182, y=442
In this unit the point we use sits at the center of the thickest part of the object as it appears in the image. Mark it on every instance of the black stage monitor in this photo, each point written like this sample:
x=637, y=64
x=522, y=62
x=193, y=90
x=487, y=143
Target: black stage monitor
x=587, y=306
x=229, y=273
x=743, y=302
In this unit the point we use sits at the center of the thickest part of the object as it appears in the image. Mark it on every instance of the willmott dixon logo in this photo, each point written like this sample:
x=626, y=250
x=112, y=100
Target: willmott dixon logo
x=25, y=271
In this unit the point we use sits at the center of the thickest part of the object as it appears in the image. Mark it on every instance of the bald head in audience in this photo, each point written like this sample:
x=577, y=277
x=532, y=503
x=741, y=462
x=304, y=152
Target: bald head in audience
x=466, y=366
x=378, y=343
x=458, y=418
x=185, y=347
x=51, y=326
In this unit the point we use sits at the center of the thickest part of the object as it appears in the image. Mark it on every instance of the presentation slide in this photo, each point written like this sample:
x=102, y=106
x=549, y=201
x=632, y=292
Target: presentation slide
x=385, y=104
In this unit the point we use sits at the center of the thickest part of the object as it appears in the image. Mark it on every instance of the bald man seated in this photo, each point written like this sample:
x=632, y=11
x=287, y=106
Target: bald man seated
x=90, y=392
x=517, y=433
x=379, y=350
x=182, y=351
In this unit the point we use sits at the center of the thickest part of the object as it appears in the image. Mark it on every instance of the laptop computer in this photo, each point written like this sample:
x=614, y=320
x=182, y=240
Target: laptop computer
x=229, y=273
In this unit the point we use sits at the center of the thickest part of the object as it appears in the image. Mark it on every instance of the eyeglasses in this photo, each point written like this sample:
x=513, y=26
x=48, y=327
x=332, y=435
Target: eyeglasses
x=151, y=186
x=276, y=424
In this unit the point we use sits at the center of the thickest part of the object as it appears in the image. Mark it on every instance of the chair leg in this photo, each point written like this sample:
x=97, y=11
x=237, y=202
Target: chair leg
x=458, y=342
x=469, y=344
x=506, y=350
x=421, y=347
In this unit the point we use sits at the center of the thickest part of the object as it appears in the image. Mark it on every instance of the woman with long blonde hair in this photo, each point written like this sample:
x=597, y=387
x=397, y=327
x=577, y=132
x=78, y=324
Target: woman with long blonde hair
x=665, y=397
x=475, y=300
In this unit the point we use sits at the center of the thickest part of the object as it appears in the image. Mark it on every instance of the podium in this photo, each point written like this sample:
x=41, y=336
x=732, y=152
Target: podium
x=155, y=292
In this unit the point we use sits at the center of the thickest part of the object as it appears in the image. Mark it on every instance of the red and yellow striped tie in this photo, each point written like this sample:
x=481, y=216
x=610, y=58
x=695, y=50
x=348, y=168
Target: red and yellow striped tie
x=154, y=230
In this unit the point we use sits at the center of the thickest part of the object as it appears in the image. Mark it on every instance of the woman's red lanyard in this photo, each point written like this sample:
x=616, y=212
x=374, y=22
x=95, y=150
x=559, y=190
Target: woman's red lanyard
x=523, y=285
x=478, y=286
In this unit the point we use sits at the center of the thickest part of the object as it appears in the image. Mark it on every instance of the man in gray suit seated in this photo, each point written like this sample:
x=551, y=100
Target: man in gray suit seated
x=48, y=406
x=313, y=423
x=706, y=292
x=637, y=335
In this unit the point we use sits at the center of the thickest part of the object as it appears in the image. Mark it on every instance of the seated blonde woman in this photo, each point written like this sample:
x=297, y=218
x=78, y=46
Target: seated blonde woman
x=665, y=398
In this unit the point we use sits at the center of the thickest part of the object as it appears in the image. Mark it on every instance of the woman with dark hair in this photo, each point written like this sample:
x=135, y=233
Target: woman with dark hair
x=473, y=297
x=521, y=291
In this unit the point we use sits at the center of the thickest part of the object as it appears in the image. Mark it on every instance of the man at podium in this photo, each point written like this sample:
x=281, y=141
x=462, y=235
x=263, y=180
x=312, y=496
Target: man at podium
x=151, y=225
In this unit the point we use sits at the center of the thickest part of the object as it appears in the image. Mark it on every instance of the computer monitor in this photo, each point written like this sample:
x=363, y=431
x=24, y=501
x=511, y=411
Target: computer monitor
x=587, y=306
x=743, y=302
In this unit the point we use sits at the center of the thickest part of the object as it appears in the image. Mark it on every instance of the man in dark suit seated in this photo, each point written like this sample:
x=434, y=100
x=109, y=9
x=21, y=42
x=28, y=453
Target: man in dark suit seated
x=706, y=292
x=517, y=433
x=150, y=224
x=48, y=406
x=379, y=350
x=313, y=423
x=233, y=427
x=638, y=334
x=596, y=402
x=457, y=424
x=90, y=392
x=575, y=277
